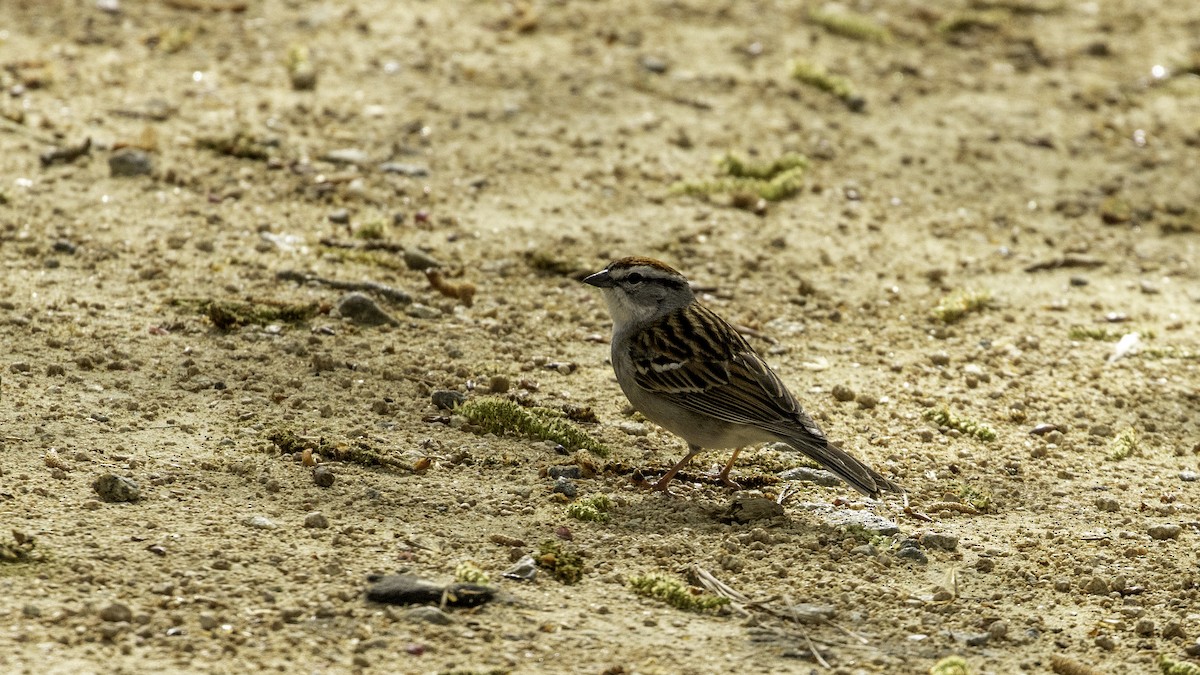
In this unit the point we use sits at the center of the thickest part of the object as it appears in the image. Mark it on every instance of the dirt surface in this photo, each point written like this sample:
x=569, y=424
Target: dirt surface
x=1043, y=155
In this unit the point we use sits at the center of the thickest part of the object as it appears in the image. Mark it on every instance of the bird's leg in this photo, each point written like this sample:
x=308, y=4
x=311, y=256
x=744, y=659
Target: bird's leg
x=724, y=475
x=693, y=450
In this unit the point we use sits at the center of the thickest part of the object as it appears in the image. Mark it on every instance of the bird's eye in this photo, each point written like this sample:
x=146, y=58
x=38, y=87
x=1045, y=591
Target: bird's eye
x=635, y=278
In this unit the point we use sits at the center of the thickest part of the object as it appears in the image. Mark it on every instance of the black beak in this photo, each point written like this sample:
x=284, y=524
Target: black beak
x=601, y=279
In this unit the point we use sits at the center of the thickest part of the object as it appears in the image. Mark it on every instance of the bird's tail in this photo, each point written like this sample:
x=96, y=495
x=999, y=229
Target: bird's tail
x=860, y=476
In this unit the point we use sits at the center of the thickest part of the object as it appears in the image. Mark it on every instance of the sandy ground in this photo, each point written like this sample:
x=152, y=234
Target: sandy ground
x=1046, y=155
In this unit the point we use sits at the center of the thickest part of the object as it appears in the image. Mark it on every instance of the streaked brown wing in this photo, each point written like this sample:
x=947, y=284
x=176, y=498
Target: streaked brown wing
x=698, y=361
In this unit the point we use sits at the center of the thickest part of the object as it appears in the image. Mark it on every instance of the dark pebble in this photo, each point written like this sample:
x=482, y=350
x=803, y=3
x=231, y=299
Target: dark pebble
x=340, y=217
x=913, y=554
x=64, y=246
x=843, y=393
x=322, y=475
x=977, y=639
x=569, y=471
x=750, y=509
x=448, y=400
x=407, y=589
x=564, y=486
x=114, y=488
x=362, y=310
x=944, y=542
x=127, y=163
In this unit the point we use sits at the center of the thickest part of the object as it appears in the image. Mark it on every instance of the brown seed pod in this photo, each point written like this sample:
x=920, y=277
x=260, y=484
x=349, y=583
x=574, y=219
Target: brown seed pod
x=463, y=291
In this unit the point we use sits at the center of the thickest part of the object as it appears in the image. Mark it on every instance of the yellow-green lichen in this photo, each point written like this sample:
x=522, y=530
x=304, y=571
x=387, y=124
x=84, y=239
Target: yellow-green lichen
x=773, y=181
x=562, y=563
x=500, y=416
x=592, y=509
x=960, y=303
x=675, y=593
x=978, y=498
x=961, y=22
x=470, y=573
x=1125, y=444
x=373, y=230
x=818, y=77
x=951, y=665
x=1170, y=666
x=359, y=452
x=850, y=25
x=944, y=418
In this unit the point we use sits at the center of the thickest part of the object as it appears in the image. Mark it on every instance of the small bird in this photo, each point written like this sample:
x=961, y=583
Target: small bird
x=689, y=371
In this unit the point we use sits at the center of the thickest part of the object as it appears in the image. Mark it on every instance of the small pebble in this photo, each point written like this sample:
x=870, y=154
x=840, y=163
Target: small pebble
x=634, y=428
x=985, y=565
x=322, y=476
x=914, y=554
x=1096, y=586
x=749, y=509
x=944, y=542
x=524, y=569
x=448, y=400
x=129, y=162
x=1106, y=642
x=940, y=358
x=654, y=64
x=568, y=471
x=260, y=522
x=1165, y=531
x=116, y=612
x=419, y=311
x=1174, y=629
x=419, y=260
x=998, y=630
x=1188, y=476
x=431, y=615
x=114, y=488
x=977, y=639
x=208, y=620
x=339, y=216
x=865, y=550
x=843, y=393
x=347, y=156
x=316, y=519
x=1108, y=504
x=362, y=310
x=564, y=486
x=1144, y=627
x=866, y=401
x=411, y=170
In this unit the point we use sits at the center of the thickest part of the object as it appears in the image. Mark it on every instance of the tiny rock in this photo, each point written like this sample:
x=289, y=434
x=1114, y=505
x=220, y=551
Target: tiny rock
x=114, y=488
x=317, y=520
x=322, y=476
x=116, y=612
x=1165, y=531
